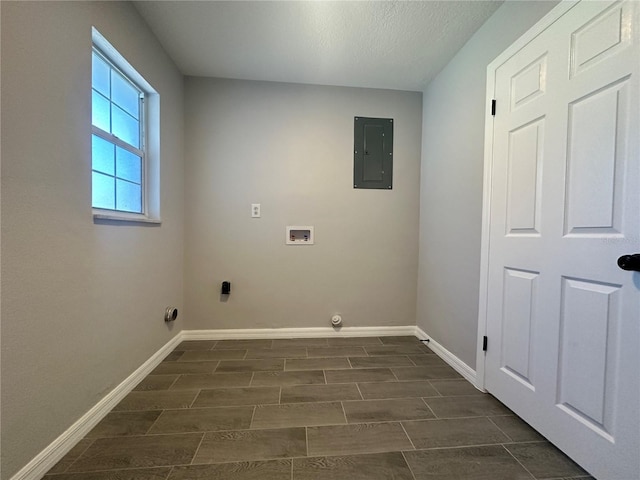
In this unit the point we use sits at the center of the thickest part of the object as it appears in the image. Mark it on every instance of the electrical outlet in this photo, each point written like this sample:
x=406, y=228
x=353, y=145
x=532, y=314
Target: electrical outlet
x=255, y=210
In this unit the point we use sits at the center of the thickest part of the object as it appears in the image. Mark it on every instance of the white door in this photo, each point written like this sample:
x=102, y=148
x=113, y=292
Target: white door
x=563, y=172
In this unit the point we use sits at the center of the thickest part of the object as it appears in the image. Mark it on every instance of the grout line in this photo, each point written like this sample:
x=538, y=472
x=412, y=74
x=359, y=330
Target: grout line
x=169, y=472
x=195, y=398
x=172, y=383
x=324, y=374
x=344, y=413
x=306, y=439
x=408, y=466
x=251, y=379
x=195, y=454
x=292, y=469
x=429, y=407
x=519, y=462
x=154, y=422
x=503, y=432
x=78, y=457
x=434, y=387
x=358, y=387
x=253, y=414
x=405, y=432
x=280, y=396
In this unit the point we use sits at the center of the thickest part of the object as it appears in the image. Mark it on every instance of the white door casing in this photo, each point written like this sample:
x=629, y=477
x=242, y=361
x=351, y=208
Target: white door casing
x=562, y=203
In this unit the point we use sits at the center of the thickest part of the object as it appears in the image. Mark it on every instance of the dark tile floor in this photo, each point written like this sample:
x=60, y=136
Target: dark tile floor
x=311, y=409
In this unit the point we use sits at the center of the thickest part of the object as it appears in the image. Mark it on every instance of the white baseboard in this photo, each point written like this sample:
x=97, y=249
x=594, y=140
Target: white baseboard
x=248, y=333
x=458, y=365
x=57, y=449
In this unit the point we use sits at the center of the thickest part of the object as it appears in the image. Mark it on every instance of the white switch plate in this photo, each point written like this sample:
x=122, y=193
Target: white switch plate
x=255, y=210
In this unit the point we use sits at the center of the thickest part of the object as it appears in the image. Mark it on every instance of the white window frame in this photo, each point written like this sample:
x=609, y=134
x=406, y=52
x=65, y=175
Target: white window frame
x=149, y=138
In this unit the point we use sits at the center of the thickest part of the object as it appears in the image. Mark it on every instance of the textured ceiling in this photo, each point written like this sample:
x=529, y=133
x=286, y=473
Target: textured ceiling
x=398, y=45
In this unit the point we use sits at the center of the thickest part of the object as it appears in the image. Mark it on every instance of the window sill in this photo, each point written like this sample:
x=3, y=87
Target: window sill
x=103, y=217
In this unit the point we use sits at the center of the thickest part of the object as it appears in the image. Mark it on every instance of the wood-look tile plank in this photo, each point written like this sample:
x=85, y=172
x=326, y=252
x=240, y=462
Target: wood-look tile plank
x=316, y=363
x=516, y=429
x=327, y=352
x=221, y=397
x=260, y=470
x=355, y=375
x=427, y=372
x=281, y=352
x=215, y=380
x=156, y=382
x=269, y=444
x=134, y=452
x=157, y=400
x=544, y=460
x=203, y=420
x=170, y=368
x=455, y=387
x=319, y=393
x=173, y=356
x=421, y=360
x=383, y=390
x=235, y=366
x=453, y=432
x=384, y=361
x=357, y=438
x=300, y=377
x=491, y=462
x=117, y=424
x=377, y=466
x=158, y=473
x=471, y=406
x=386, y=410
x=298, y=415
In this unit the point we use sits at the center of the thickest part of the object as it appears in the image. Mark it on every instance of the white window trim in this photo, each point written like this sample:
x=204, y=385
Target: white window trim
x=150, y=127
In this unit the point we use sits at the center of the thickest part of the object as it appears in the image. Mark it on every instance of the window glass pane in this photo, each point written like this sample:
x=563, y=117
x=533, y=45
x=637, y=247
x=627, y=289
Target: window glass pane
x=128, y=165
x=100, y=75
x=100, y=111
x=124, y=94
x=125, y=127
x=102, y=153
x=103, y=191
x=129, y=196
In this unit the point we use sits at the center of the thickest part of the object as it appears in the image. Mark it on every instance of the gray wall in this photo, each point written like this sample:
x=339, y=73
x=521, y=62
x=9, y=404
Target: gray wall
x=82, y=303
x=289, y=148
x=454, y=113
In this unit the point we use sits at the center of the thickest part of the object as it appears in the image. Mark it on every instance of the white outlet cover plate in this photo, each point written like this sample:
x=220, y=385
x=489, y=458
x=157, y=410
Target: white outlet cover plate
x=255, y=210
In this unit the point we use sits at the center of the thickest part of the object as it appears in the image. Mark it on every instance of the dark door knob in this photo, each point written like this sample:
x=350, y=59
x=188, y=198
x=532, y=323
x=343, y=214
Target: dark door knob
x=630, y=262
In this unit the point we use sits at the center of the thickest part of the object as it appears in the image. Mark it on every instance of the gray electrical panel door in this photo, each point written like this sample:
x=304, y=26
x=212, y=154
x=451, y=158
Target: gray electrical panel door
x=373, y=153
